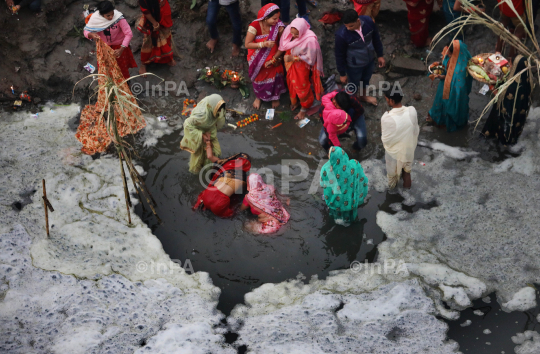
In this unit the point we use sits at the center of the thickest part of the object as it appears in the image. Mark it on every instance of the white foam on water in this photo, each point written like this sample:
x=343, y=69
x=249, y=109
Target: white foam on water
x=482, y=235
x=466, y=323
x=345, y=312
x=449, y=151
x=528, y=342
x=156, y=129
x=523, y=300
x=96, y=284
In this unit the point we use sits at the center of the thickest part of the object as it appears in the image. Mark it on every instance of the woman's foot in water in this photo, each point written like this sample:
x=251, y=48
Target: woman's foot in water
x=300, y=115
x=275, y=104
x=257, y=104
x=294, y=107
x=211, y=44
x=171, y=63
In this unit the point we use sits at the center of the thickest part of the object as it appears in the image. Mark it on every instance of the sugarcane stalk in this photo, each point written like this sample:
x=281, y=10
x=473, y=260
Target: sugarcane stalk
x=126, y=193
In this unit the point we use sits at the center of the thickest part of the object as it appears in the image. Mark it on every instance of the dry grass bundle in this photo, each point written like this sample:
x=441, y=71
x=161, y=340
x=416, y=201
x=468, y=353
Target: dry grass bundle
x=476, y=17
x=120, y=103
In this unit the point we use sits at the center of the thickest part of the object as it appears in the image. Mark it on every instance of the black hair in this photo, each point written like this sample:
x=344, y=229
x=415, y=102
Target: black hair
x=350, y=16
x=342, y=99
x=272, y=14
x=395, y=94
x=105, y=7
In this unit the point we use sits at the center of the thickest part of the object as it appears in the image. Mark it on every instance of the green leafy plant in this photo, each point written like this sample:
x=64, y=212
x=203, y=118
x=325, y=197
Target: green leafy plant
x=193, y=3
x=77, y=33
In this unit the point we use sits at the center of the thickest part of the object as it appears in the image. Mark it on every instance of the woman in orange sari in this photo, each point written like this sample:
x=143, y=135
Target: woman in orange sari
x=155, y=24
x=265, y=68
x=303, y=59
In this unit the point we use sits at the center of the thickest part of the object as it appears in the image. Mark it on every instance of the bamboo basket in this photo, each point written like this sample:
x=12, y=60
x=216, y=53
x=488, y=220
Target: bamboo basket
x=484, y=56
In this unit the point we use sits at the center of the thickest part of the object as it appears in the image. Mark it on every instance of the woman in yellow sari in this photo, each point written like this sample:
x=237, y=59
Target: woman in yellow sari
x=207, y=117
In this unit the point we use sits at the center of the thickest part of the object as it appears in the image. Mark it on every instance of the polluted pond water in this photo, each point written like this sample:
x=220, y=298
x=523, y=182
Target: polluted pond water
x=311, y=244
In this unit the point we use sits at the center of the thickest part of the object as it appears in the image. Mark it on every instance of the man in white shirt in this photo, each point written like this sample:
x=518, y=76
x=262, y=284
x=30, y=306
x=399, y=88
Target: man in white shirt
x=400, y=130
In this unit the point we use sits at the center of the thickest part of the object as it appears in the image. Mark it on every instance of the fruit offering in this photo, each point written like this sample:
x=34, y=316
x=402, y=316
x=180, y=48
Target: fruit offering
x=489, y=68
x=252, y=118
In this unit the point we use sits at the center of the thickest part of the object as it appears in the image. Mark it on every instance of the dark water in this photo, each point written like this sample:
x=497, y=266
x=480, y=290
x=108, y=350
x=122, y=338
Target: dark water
x=238, y=262
x=502, y=325
x=311, y=243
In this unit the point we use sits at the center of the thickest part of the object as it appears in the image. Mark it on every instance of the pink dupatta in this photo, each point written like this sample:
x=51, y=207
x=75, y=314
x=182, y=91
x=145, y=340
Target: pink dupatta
x=306, y=46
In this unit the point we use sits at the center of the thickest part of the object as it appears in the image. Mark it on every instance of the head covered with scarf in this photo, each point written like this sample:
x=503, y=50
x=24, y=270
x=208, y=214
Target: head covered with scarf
x=263, y=196
x=153, y=6
x=208, y=116
x=345, y=186
x=306, y=46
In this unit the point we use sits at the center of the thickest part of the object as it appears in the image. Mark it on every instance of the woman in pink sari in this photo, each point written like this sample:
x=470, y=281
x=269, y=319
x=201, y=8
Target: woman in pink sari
x=262, y=200
x=304, y=64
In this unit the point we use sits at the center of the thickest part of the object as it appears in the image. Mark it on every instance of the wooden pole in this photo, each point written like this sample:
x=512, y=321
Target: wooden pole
x=126, y=193
x=45, y=207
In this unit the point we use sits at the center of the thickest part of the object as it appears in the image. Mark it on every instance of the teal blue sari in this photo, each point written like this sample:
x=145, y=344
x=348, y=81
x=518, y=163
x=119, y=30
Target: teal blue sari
x=454, y=111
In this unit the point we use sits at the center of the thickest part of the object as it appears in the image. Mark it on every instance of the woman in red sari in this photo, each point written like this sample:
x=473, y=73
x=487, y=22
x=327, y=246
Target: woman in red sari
x=155, y=24
x=265, y=67
x=419, y=12
x=230, y=178
x=303, y=61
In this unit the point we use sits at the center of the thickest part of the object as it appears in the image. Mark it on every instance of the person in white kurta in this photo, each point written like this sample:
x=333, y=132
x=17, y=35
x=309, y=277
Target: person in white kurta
x=400, y=130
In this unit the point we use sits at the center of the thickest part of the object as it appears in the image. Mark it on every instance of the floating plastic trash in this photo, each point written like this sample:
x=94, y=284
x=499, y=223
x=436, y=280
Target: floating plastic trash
x=68, y=51
x=90, y=68
x=162, y=118
x=270, y=113
x=303, y=122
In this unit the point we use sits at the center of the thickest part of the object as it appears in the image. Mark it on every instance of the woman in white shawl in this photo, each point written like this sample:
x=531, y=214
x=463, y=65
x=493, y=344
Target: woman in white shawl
x=400, y=130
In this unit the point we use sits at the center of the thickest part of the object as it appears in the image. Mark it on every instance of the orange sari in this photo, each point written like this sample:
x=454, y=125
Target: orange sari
x=299, y=83
x=92, y=130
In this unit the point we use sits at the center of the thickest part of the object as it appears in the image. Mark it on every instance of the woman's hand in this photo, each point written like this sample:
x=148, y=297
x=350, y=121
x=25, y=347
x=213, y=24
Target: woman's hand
x=268, y=64
x=207, y=137
x=441, y=77
x=118, y=52
x=263, y=217
x=9, y=3
x=156, y=26
x=93, y=35
x=269, y=44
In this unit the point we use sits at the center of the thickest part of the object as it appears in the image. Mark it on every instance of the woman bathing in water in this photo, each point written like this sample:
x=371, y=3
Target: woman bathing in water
x=229, y=179
x=262, y=200
x=265, y=66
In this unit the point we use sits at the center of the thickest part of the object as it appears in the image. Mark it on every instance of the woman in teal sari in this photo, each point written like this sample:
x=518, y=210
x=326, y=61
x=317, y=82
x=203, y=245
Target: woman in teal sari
x=345, y=186
x=451, y=105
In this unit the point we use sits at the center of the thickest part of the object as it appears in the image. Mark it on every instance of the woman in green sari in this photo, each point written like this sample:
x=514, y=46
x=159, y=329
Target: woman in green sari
x=207, y=117
x=451, y=105
x=345, y=186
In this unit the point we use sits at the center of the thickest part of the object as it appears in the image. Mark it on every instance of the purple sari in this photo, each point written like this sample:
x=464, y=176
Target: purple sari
x=268, y=83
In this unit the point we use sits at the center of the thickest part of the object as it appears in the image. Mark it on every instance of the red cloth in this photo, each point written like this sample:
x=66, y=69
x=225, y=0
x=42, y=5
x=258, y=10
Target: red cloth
x=212, y=198
x=359, y=4
x=330, y=17
x=166, y=18
x=126, y=61
x=418, y=17
x=505, y=9
x=253, y=210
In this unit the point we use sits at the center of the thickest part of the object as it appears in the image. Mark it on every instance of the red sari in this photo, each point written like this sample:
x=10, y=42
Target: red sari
x=157, y=46
x=299, y=83
x=419, y=20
